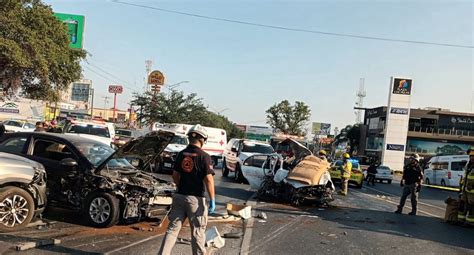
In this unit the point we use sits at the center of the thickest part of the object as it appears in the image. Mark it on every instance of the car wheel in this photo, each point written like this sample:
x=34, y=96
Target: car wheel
x=239, y=177
x=225, y=170
x=443, y=183
x=17, y=208
x=389, y=181
x=427, y=181
x=102, y=210
x=359, y=186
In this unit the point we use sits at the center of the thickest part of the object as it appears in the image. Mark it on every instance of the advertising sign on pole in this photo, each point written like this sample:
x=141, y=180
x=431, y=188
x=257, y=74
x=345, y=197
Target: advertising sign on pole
x=115, y=89
x=156, y=78
x=75, y=25
x=319, y=128
x=80, y=92
x=396, y=127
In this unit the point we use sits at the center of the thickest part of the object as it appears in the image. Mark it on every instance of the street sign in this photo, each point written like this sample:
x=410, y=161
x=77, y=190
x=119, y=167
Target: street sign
x=75, y=26
x=115, y=89
x=156, y=77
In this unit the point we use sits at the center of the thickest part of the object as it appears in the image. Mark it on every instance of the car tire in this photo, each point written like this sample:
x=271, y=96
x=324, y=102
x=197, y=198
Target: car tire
x=102, y=210
x=427, y=181
x=359, y=186
x=225, y=170
x=24, y=201
x=443, y=183
x=389, y=181
x=239, y=177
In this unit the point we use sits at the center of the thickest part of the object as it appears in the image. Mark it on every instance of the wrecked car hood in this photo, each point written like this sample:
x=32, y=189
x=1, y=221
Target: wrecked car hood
x=145, y=149
x=298, y=149
x=140, y=180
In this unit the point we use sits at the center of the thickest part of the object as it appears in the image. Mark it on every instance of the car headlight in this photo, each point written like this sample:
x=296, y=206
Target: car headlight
x=40, y=175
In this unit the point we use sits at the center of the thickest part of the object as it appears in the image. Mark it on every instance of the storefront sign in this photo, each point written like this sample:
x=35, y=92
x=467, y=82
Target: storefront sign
x=395, y=147
x=401, y=86
x=396, y=110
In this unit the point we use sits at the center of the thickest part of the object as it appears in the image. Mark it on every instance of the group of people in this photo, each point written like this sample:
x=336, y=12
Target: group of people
x=45, y=126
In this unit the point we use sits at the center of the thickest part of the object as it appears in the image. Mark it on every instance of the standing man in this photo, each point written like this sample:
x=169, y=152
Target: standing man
x=466, y=206
x=371, y=173
x=411, y=183
x=346, y=170
x=192, y=172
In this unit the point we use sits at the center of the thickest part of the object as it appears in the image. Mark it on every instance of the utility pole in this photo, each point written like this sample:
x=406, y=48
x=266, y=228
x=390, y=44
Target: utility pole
x=106, y=111
x=360, y=100
x=148, y=66
x=92, y=102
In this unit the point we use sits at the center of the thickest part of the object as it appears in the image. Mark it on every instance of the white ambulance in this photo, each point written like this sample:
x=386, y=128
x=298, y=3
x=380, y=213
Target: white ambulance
x=216, y=142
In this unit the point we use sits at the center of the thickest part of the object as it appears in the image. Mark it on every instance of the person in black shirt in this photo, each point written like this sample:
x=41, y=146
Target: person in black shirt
x=371, y=172
x=193, y=171
x=411, y=183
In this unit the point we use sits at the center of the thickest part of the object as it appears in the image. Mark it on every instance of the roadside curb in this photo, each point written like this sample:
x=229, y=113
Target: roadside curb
x=248, y=227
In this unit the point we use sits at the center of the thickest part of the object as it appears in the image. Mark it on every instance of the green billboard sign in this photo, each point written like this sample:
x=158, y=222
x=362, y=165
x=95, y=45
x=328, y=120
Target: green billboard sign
x=75, y=24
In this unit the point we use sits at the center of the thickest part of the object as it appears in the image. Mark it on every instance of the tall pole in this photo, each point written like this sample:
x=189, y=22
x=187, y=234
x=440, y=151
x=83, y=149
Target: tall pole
x=92, y=103
x=115, y=107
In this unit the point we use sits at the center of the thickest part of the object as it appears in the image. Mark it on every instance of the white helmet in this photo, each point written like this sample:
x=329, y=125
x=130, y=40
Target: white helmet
x=198, y=129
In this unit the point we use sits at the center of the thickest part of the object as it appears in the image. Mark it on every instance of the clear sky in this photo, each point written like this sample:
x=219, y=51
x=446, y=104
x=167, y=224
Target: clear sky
x=242, y=70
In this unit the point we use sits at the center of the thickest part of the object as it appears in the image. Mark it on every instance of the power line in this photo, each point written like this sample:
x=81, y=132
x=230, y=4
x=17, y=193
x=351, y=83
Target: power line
x=294, y=29
x=107, y=78
x=106, y=72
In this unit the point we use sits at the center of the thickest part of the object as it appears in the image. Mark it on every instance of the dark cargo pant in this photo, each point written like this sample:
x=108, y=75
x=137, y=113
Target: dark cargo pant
x=407, y=190
x=195, y=210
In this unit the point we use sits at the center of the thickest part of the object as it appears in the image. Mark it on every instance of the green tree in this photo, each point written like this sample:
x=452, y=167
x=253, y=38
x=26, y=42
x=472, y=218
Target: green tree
x=289, y=119
x=34, y=50
x=351, y=134
x=176, y=107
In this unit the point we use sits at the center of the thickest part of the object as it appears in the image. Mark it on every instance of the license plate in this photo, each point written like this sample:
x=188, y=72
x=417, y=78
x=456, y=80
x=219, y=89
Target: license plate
x=168, y=165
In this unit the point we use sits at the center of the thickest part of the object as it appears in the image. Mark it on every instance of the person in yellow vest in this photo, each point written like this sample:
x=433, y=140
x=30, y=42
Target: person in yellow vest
x=346, y=170
x=466, y=206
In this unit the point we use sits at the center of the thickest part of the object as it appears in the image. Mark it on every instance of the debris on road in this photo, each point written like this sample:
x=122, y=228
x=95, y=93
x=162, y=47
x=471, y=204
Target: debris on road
x=214, y=239
x=243, y=211
x=345, y=233
x=262, y=216
x=226, y=218
x=262, y=221
x=30, y=245
x=183, y=241
x=233, y=235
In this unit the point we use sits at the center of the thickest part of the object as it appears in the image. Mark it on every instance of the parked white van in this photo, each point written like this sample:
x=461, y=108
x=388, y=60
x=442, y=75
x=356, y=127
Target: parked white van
x=445, y=170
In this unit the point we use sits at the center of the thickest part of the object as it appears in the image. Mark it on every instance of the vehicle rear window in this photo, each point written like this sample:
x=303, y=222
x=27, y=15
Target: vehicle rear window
x=179, y=140
x=89, y=129
x=458, y=165
x=123, y=133
x=14, y=123
x=257, y=148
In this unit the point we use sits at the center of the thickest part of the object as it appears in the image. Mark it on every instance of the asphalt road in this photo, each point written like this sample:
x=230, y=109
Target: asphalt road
x=140, y=238
x=361, y=223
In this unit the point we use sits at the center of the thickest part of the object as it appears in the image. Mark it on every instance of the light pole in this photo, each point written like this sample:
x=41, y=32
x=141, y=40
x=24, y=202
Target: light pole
x=172, y=86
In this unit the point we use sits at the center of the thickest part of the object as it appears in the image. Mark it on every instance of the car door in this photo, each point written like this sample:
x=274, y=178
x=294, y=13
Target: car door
x=441, y=173
x=232, y=155
x=255, y=168
x=64, y=179
x=17, y=144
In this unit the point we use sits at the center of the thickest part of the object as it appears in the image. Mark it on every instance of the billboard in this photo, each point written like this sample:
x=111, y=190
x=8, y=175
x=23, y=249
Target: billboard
x=80, y=92
x=75, y=25
x=396, y=128
x=319, y=128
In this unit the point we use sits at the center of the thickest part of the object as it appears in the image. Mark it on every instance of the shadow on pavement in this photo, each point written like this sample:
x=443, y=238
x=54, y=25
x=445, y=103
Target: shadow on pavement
x=416, y=227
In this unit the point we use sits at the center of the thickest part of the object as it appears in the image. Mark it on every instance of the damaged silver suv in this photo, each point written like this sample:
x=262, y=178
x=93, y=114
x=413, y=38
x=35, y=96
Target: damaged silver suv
x=90, y=177
x=22, y=191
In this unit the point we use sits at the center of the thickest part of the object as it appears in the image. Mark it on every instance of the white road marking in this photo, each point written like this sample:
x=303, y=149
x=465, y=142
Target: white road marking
x=390, y=194
x=390, y=202
x=133, y=244
x=246, y=240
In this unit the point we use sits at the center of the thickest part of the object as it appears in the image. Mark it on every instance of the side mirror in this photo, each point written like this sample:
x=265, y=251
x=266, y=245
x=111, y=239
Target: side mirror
x=233, y=149
x=69, y=162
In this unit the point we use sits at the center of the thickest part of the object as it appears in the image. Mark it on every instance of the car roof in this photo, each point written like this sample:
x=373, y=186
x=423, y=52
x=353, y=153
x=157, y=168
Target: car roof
x=68, y=137
x=450, y=158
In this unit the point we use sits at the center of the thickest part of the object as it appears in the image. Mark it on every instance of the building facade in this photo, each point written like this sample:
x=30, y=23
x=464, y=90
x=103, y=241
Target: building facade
x=431, y=132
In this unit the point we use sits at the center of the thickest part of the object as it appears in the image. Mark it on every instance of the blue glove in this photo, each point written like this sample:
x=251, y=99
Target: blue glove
x=212, y=206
